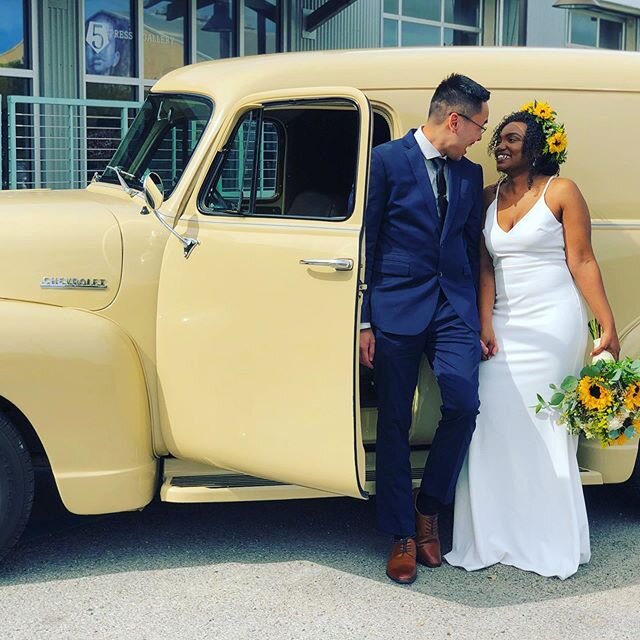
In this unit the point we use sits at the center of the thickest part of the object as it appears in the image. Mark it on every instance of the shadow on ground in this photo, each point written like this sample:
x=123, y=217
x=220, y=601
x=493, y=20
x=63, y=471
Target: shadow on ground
x=337, y=533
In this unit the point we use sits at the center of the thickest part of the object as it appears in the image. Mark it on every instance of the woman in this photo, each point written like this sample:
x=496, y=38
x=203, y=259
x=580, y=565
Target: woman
x=519, y=498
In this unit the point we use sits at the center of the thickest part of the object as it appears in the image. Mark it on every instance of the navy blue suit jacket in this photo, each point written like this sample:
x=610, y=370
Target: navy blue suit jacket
x=408, y=259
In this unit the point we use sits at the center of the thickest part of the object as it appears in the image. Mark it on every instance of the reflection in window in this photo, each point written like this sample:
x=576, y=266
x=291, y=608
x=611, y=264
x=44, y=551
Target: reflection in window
x=109, y=38
x=164, y=27
x=261, y=31
x=216, y=32
x=13, y=30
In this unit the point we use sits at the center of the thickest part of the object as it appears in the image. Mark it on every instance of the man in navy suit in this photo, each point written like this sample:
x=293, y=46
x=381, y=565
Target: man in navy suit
x=423, y=224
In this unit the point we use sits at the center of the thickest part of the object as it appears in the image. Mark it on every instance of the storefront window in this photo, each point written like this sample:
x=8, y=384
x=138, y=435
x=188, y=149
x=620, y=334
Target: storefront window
x=590, y=30
x=13, y=34
x=164, y=27
x=216, y=30
x=261, y=30
x=408, y=23
x=109, y=38
x=512, y=23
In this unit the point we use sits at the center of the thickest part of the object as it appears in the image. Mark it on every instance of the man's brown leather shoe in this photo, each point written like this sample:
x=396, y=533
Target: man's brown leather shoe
x=427, y=538
x=401, y=565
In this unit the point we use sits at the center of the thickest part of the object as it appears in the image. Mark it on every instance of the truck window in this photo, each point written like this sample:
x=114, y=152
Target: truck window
x=306, y=162
x=162, y=138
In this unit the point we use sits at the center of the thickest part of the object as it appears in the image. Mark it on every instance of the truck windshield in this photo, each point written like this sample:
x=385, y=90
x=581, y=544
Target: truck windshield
x=162, y=138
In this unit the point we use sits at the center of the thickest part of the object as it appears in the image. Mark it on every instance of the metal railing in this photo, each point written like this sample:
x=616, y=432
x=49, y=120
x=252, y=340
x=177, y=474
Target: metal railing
x=60, y=143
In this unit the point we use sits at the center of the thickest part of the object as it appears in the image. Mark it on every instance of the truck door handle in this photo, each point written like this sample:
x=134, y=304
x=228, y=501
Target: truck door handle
x=339, y=264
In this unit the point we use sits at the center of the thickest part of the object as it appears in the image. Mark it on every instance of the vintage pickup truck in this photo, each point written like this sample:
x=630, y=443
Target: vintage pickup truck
x=209, y=352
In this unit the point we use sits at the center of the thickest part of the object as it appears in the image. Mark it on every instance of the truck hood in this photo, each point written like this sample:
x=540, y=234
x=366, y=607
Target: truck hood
x=59, y=247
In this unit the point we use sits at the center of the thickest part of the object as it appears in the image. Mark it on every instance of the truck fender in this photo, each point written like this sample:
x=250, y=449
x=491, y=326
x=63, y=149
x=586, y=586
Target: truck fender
x=78, y=379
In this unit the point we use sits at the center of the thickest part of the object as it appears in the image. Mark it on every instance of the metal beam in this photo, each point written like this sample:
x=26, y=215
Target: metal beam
x=324, y=13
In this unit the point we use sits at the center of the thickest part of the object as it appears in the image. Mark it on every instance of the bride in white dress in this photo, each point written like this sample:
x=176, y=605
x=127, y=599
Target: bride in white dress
x=519, y=499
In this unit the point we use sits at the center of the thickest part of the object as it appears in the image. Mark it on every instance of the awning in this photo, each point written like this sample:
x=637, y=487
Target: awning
x=627, y=8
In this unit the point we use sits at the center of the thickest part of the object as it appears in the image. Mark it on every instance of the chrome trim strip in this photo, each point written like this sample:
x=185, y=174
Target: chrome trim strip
x=615, y=224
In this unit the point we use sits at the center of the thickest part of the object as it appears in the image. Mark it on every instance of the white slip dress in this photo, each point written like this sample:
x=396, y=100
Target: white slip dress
x=519, y=498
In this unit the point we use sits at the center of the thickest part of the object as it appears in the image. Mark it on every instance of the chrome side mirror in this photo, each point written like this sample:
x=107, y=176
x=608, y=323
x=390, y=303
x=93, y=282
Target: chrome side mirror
x=154, y=197
x=153, y=191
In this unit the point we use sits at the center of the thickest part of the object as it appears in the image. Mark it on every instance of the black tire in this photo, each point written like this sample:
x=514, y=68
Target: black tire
x=16, y=485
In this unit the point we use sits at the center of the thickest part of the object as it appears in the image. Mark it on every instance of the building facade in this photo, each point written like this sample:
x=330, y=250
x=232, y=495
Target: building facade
x=116, y=49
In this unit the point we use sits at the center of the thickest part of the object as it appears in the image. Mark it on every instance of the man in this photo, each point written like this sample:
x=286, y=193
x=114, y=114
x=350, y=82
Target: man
x=423, y=225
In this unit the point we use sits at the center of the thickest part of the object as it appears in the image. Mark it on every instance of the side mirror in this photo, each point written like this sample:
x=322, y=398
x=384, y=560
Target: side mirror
x=153, y=191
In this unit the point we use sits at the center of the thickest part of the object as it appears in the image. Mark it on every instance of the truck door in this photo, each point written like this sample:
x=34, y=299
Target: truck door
x=258, y=329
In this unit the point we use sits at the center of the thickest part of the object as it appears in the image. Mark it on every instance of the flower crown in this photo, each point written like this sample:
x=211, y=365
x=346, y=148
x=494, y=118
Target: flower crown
x=556, y=138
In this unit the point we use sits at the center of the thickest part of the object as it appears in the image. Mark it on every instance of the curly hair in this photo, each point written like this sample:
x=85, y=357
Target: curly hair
x=532, y=146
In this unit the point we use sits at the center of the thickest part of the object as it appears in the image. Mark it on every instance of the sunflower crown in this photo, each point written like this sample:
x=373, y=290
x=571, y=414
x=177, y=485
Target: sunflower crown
x=556, y=137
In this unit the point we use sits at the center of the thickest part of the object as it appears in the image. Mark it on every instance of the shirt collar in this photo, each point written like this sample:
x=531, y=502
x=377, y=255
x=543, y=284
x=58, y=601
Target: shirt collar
x=427, y=149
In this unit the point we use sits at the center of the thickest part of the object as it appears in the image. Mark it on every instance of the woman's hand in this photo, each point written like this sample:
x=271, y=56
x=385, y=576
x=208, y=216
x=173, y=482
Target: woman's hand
x=608, y=342
x=488, y=342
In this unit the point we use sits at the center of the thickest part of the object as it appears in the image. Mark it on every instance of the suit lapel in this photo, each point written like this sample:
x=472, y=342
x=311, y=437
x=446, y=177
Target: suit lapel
x=416, y=160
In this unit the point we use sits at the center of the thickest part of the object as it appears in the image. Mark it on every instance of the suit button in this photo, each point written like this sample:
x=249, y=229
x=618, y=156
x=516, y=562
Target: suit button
x=440, y=274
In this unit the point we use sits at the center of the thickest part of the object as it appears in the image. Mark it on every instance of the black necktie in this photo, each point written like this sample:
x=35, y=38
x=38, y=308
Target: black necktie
x=441, y=184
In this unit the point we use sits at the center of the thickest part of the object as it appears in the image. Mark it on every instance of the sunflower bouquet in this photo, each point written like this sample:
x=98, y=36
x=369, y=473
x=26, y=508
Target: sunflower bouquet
x=603, y=402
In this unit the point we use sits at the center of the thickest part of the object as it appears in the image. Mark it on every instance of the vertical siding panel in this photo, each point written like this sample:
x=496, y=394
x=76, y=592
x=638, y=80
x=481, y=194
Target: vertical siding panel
x=352, y=28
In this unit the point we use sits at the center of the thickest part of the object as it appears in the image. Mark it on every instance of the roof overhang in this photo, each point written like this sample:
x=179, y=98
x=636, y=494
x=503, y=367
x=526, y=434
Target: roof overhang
x=627, y=8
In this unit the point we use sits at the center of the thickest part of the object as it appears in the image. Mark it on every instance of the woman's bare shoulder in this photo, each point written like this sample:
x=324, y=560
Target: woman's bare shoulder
x=489, y=194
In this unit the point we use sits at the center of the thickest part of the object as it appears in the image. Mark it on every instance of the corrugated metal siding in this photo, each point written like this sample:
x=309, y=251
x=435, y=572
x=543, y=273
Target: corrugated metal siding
x=356, y=27
x=60, y=53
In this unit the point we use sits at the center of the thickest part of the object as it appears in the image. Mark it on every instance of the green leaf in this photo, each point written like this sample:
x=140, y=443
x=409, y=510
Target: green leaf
x=569, y=383
x=591, y=370
x=556, y=399
x=629, y=432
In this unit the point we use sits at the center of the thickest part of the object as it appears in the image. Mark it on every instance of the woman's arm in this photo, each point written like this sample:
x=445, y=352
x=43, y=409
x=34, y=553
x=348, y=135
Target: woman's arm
x=487, y=289
x=581, y=260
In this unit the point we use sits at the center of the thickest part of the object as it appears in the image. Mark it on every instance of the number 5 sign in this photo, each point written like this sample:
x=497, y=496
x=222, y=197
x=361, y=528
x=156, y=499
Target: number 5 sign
x=97, y=35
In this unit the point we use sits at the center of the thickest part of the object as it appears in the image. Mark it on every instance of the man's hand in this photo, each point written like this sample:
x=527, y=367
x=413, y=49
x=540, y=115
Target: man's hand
x=367, y=348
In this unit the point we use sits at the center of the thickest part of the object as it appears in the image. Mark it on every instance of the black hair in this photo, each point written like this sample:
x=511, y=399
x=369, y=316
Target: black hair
x=533, y=144
x=458, y=92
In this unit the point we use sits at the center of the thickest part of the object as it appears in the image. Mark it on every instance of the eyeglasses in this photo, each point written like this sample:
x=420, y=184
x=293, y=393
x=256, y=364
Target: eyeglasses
x=482, y=128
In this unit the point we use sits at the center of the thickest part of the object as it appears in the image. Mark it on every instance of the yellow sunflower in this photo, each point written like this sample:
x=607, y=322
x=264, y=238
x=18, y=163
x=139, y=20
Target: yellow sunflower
x=527, y=106
x=543, y=110
x=632, y=396
x=593, y=395
x=557, y=142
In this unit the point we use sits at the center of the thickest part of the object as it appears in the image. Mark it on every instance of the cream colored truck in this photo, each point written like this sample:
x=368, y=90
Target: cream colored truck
x=213, y=357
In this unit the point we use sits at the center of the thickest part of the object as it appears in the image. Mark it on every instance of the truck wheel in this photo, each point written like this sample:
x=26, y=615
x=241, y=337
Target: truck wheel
x=16, y=485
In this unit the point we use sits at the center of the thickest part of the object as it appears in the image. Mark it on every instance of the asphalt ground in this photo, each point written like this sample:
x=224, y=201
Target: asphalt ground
x=294, y=570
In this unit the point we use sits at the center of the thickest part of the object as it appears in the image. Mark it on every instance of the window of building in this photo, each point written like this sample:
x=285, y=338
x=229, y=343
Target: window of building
x=215, y=37
x=512, y=23
x=595, y=31
x=109, y=38
x=164, y=37
x=261, y=27
x=14, y=51
x=408, y=23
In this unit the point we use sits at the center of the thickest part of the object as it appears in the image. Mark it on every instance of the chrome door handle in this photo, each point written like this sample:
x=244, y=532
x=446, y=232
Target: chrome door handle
x=339, y=264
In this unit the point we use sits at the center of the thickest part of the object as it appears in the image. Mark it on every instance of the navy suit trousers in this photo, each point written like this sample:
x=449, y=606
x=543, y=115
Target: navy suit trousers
x=453, y=351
